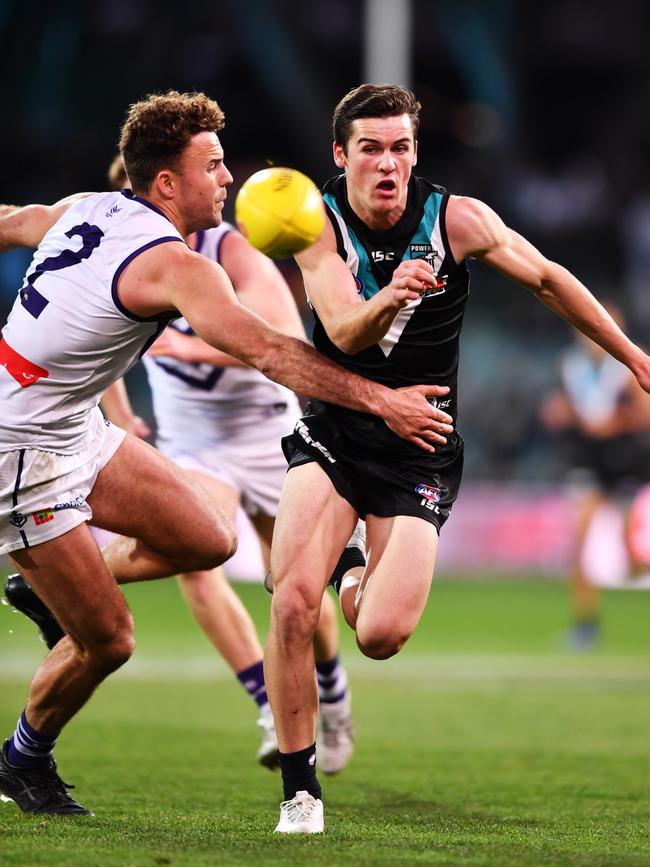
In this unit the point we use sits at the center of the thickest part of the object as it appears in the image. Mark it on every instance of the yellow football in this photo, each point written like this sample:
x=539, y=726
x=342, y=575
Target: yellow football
x=280, y=211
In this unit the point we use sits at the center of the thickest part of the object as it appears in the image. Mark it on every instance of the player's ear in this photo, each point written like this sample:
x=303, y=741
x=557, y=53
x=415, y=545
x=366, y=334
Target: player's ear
x=165, y=183
x=339, y=155
x=415, y=152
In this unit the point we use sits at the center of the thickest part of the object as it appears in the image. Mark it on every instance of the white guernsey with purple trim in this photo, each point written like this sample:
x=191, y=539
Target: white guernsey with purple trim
x=68, y=336
x=199, y=405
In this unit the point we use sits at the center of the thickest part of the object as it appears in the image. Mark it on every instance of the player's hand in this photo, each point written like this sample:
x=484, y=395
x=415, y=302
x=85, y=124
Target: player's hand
x=413, y=416
x=172, y=344
x=410, y=279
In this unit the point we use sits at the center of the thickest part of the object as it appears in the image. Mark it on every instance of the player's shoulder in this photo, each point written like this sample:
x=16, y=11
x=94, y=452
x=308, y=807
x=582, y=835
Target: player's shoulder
x=334, y=193
x=79, y=203
x=471, y=222
x=427, y=187
x=111, y=207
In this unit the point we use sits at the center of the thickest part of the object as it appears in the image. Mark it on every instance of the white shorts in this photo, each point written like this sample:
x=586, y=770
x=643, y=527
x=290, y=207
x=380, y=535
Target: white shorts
x=251, y=462
x=43, y=494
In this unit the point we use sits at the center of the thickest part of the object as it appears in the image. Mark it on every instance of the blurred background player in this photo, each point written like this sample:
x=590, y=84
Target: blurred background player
x=603, y=418
x=222, y=422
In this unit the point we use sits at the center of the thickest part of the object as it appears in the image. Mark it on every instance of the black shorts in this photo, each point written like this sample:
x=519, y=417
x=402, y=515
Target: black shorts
x=616, y=465
x=418, y=484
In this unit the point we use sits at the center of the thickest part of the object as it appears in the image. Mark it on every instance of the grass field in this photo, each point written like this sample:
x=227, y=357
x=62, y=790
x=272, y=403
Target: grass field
x=483, y=743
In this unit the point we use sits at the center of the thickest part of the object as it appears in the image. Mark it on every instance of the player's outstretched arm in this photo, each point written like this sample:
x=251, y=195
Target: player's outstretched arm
x=189, y=347
x=26, y=226
x=259, y=285
x=475, y=230
x=351, y=324
x=172, y=277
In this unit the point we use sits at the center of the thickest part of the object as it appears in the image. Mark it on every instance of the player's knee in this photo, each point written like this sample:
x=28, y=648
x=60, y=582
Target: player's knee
x=295, y=611
x=381, y=644
x=112, y=646
x=214, y=549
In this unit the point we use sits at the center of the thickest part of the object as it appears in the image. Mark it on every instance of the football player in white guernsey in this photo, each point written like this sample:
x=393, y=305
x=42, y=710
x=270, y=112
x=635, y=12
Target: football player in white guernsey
x=223, y=421
x=388, y=283
x=109, y=272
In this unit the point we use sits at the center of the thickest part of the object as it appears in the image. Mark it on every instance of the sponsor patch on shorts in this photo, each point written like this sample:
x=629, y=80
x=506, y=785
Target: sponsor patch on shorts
x=42, y=517
x=429, y=492
x=75, y=503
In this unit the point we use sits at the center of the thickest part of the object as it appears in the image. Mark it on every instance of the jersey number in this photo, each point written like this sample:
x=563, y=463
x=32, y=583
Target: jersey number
x=31, y=299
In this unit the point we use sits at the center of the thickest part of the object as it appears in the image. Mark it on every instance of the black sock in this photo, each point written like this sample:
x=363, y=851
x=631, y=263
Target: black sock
x=350, y=558
x=299, y=773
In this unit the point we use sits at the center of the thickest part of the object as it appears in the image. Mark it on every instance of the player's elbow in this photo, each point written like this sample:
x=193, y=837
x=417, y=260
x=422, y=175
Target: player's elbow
x=349, y=347
x=346, y=340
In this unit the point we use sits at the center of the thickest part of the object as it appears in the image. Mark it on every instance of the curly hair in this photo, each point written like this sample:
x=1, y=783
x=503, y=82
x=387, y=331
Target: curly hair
x=373, y=100
x=157, y=130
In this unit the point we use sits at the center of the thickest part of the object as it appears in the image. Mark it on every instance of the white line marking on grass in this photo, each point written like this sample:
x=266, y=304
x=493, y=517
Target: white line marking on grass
x=435, y=673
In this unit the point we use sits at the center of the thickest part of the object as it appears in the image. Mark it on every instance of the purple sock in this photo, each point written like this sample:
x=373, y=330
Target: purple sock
x=252, y=679
x=332, y=681
x=30, y=748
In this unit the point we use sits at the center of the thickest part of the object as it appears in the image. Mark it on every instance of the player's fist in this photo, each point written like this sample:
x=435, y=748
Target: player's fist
x=410, y=279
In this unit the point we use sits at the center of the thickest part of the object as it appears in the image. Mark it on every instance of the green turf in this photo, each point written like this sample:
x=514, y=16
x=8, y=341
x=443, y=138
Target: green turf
x=483, y=743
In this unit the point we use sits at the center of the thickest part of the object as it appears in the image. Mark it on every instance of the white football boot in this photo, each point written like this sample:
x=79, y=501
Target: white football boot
x=303, y=814
x=269, y=752
x=335, y=743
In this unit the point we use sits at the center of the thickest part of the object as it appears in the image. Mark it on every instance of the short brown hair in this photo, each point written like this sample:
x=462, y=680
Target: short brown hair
x=373, y=100
x=157, y=130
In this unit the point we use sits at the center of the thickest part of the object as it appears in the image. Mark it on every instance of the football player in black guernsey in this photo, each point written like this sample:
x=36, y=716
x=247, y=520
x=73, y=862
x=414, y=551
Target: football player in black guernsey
x=388, y=284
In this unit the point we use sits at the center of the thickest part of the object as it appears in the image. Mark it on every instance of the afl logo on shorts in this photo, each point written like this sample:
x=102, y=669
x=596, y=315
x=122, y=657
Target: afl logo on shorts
x=430, y=493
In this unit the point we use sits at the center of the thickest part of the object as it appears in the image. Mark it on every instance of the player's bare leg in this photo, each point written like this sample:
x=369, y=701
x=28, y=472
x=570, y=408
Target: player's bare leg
x=70, y=576
x=215, y=605
x=326, y=637
x=228, y=625
x=303, y=556
x=584, y=597
x=222, y=616
x=166, y=524
x=351, y=588
x=335, y=732
x=137, y=492
x=388, y=602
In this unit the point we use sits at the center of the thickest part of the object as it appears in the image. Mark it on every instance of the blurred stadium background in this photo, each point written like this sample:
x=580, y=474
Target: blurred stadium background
x=543, y=111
